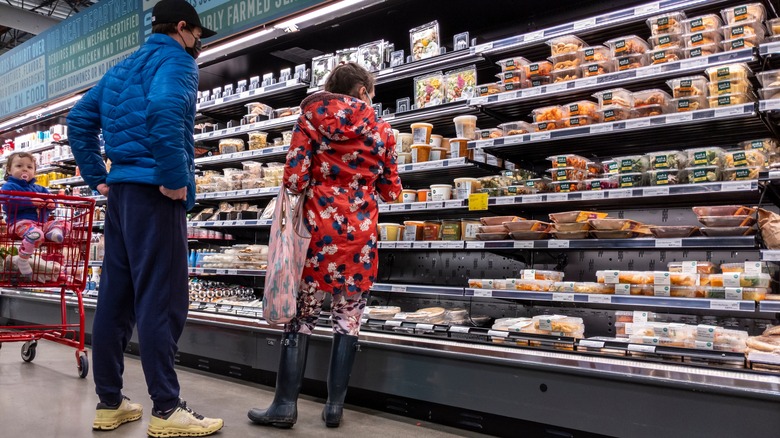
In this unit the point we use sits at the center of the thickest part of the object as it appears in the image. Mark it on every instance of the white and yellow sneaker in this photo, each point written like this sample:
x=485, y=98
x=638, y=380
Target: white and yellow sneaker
x=108, y=418
x=182, y=421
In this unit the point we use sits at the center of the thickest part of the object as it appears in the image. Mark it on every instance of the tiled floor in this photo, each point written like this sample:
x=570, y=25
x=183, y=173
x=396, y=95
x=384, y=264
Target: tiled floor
x=46, y=398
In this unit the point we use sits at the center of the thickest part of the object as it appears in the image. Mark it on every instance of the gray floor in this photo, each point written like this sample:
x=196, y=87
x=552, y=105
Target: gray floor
x=46, y=398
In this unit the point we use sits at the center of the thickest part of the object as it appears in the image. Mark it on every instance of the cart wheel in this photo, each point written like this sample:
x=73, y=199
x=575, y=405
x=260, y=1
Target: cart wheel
x=28, y=350
x=83, y=365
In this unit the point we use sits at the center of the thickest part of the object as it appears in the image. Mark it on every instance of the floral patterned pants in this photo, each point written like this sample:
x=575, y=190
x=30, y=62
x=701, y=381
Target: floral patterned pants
x=345, y=312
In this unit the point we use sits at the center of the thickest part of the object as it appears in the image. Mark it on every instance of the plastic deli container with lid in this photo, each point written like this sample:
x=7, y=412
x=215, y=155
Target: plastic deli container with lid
x=511, y=77
x=604, y=183
x=632, y=61
x=546, y=126
x=742, y=157
x=666, y=41
x=614, y=114
x=565, y=44
x=567, y=186
x=516, y=128
x=648, y=111
x=660, y=56
x=688, y=86
x=663, y=177
x=742, y=173
x=767, y=145
x=465, y=126
x=709, y=156
x=615, y=96
x=421, y=132
x=741, y=43
x=773, y=26
x=728, y=72
x=568, y=174
x=596, y=68
x=565, y=61
x=568, y=160
x=746, y=12
x=673, y=22
x=667, y=160
x=488, y=89
x=692, y=103
x=550, y=113
x=697, y=39
x=628, y=180
x=582, y=108
x=541, y=68
x=729, y=87
x=703, y=50
x=744, y=29
x=731, y=99
x=565, y=75
x=770, y=78
x=594, y=54
x=769, y=93
x=702, y=174
x=573, y=122
x=514, y=63
x=651, y=97
x=703, y=23
x=627, y=45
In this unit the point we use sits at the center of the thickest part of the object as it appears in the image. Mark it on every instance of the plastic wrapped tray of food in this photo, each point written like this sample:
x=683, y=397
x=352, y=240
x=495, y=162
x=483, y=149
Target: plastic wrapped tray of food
x=682, y=279
x=614, y=224
x=594, y=54
x=672, y=22
x=727, y=221
x=627, y=45
x=558, y=323
x=769, y=93
x=742, y=173
x=511, y=77
x=516, y=128
x=429, y=90
x=565, y=61
x=567, y=186
x=492, y=229
x=702, y=174
x=630, y=180
x=731, y=99
x=488, y=89
x=741, y=43
x=581, y=108
x=742, y=157
x=632, y=61
x=648, y=111
x=744, y=280
x=697, y=39
x=688, y=86
x=632, y=163
x=625, y=234
x=767, y=145
x=596, y=68
x=499, y=220
x=550, y=113
x=673, y=231
x=667, y=160
x=514, y=63
x=568, y=160
x=537, y=81
x=724, y=210
x=669, y=54
x=685, y=104
x=614, y=114
x=565, y=44
x=539, y=184
x=732, y=72
x=533, y=285
x=492, y=236
x=686, y=292
x=573, y=122
x=615, y=97
x=529, y=235
x=665, y=177
x=746, y=12
x=568, y=174
x=576, y=216
x=565, y=75
x=547, y=126
x=666, y=41
x=727, y=231
x=571, y=227
x=703, y=23
x=603, y=183
x=541, y=68
x=729, y=87
x=748, y=28
x=654, y=96
x=703, y=50
x=526, y=225
x=708, y=156
x=570, y=235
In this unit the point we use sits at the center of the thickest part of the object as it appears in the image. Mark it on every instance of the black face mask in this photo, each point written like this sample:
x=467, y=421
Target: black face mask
x=196, y=48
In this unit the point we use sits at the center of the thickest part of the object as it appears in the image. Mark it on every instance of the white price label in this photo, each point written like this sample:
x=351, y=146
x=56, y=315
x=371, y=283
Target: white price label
x=733, y=293
x=424, y=326
x=731, y=280
x=554, y=88
x=531, y=199
x=690, y=267
x=498, y=333
x=704, y=345
x=459, y=329
x=394, y=323
x=593, y=194
x=523, y=244
x=400, y=316
x=724, y=305
x=503, y=97
x=601, y=127
x=640, y=317
x=540, y=136
x=587, y=82
x=528, y=274
x=475, y=245
x=403, y=245
x=558, y=244
x=622, y=289
x=419, y=205
x=398, y=288
x=505, y=200
x=221, y=271
x=603, y=299
x=533, y=36
x=668, y=243
x=641, y=348
x=562, y=297
x=647, y=9
x=740, y=186
x=679, y=117
x=611, y=277
x=421, y=245
x=705, y=332
x=590, y=344
x=729, y=111
x=232, y=271
x=483, y=293
x=656, y=191
x=638, y=123
x=584, y=24
x=454, y=203
x=662, y=278
x=661, y=291
x=620, y=194
x=533, y=91
x=557, y=197
x=752, y=268
x=694, y=62
x=435, y=205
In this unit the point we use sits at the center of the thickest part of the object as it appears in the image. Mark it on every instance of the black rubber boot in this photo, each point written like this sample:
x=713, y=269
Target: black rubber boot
x=283, y=412
x=342, y=356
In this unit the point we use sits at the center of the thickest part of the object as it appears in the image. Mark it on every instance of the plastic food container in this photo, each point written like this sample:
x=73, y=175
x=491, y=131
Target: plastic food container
x=666, y=41
x=511, y=77
x=727, y=231
x=605, y=183
x=648, y=111
x=516, y=128
x=568, y=160
x=770, y=78
x=702, y=174
x=538, y=184
x=688, y=86
x=627, y=45
x=651, y=97
x=709, y=156
x=663, y=177
x=744, y=29
x=565, y=75
x=565, y=44
x=390, y=232
x=469, y=229
x=538, y=81
x=701, y=267
x=568, y=174
x=611, y=167
x=672, y=232
x=581, y=108
x=438, y=153
x=660, y=56
x=728, y=72
x=529, y=235
x=703, y=23
x=573, y=122
x=423, y=195
x=769, y=93
x=596, y=68
x=567, y=186
x=747, y=12
x=465, y=187
x=429, y=90
x=441, y=192
x=729, y=87
x=615, y=96
x=526, y=225
x=545, y=126
x=703, y=50
x=741, y=157
x=511, y=64
x=697, y=39
x=533, y=285
x=632, y=61
x=594, y=54
x=451, y=229
x=565, y=61
x=404, y=158
x=730, y=99
x=613, y=224
x=773, y=26
x=727, y=221
x=258, y=140
x=632, y=163
x=576, y=216
x=486, y=134
x=767, y=145
x=421, y=153
x=692, y=103
x=614, y=114
x=550, y=113
x=541, y=68
x=667, y=23
x=421, y=133
x=741, y=43
x=724, y=210
x=408, y=196
x=488, y=89
x=628, y=180
x=667, y=160
x=728, y=268
x=571, y=227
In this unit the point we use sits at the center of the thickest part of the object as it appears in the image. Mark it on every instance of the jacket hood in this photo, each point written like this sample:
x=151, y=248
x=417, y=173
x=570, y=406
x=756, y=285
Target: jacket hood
x=337, y=116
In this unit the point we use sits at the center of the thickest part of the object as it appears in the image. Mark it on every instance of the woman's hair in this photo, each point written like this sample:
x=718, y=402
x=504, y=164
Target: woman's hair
x=13, y=157
x=348, y=78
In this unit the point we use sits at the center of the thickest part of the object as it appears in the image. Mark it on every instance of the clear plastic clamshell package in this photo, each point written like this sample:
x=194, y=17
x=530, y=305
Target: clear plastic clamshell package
x=673, y=22
x=425, y=41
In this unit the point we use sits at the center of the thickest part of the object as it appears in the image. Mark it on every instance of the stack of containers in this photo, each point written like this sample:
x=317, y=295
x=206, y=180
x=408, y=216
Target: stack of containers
x=568, y=173
x=595, y=60
x=665, y=167
x=742, y=164
x=565, y=58
x=513, y=75
x=744, y=28
x=614, y=105
x=581, y=113
x=770, y=84
x=629, y=52
x=703, y=37
x=730, y=85
x=773, y=26
x=690, y=93
x=727, y=220
x=573, y=224
x=667, y=37
x=705, y=165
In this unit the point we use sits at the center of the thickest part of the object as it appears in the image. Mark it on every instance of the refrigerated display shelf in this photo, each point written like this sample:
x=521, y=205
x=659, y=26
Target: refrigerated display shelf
x=624, y=300
x=261, y=193
x=226, y=309
x=769, y=105
x=623, y=345
x=233, y=105
x=418, y=289
x=273, y=124
x=438, y=115
x=722, y=125
x=447, y=61
x=241, y=223
x=438, y=206
x=637, y=243
x=444, y=171
x=240, y=272
x=270, y=153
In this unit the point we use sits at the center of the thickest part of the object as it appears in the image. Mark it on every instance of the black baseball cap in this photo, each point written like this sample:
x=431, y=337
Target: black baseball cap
x=174, y=11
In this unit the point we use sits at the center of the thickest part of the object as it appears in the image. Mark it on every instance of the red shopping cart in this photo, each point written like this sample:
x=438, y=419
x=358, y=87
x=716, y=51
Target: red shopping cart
x=56, y=266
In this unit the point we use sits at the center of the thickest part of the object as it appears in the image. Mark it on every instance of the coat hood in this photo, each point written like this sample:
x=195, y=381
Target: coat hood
x=339, y=117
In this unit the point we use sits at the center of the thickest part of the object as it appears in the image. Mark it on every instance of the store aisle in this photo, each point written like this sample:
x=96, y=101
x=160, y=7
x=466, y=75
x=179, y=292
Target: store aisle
x=46, y=398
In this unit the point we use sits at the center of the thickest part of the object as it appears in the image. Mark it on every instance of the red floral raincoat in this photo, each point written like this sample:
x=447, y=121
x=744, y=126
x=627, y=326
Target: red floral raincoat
x=341, y=156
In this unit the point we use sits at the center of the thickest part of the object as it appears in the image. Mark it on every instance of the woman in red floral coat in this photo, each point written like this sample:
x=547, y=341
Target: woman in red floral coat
x=342, y=159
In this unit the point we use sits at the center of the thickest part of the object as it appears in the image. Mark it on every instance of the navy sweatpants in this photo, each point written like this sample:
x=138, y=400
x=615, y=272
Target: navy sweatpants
x=144, y=283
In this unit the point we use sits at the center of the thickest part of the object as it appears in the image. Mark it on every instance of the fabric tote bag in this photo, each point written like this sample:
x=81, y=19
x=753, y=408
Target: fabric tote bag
x=287, y=247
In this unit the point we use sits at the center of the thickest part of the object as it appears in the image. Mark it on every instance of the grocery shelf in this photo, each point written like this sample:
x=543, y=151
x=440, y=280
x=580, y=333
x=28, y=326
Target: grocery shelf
x=271, y=153
x=639, y=243
x=438, y=115
x=518, y=104
x=417, y=289
x=438, y=206
x=624, y=345
x=76, y=180
x=273, y=124
x=264, y=192
x=443, y=170
x=260, y=223
x=769, y=306
x=233, y=105
x=241, y=272
x=446, y=61
x=626, y=300
x=731, y=123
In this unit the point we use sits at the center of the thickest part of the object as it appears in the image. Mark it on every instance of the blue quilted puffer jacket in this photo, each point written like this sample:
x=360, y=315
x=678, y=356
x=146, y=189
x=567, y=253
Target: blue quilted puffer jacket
x=146, y=108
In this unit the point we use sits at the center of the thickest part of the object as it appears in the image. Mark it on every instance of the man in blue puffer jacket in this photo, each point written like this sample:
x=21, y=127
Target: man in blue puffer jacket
x=146, y=109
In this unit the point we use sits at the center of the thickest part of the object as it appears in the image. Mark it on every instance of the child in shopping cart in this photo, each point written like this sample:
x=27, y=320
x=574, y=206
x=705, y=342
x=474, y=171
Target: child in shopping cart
x=28, y=218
